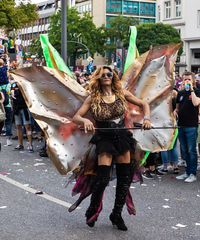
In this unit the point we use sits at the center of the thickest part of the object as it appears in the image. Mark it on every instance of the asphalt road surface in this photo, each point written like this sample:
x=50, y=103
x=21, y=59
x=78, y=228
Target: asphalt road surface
x=167, y=209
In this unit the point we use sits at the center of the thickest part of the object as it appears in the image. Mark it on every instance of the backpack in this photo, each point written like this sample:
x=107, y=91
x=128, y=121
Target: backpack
x=6, y=97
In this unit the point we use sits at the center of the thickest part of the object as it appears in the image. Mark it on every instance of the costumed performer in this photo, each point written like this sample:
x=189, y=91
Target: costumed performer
x=107, y=103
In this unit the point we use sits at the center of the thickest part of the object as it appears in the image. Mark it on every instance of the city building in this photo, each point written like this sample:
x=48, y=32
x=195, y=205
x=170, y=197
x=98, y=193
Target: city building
x=184, y=15
x=102, y=12
x=45, y=10
x=22, y=1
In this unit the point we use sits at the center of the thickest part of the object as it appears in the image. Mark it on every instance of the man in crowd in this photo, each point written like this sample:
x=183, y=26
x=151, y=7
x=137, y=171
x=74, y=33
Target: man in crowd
x=187, y=109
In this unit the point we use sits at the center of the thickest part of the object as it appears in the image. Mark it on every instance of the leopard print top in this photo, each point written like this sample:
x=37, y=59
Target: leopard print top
x=109, y=111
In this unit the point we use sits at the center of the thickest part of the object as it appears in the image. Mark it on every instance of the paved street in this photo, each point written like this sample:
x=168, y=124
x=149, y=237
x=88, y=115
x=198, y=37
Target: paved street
x=167, y=209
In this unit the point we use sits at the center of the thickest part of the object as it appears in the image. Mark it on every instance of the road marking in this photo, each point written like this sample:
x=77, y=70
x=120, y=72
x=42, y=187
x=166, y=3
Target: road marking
x=32, y=190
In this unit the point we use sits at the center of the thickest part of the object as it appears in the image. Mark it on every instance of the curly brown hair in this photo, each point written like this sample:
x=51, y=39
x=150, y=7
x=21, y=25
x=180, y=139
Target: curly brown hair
x=96, y=90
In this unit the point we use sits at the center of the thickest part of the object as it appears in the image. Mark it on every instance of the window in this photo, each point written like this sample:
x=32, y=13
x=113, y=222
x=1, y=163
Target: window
x=198, y=18
x=114, y=6
x=131, y=8
x=147, y=9
x=147, y=20
x=167, y=9
x=177, y=8
x=159, y=17
x=197, y=55
x=179, y=31
x=90, y=7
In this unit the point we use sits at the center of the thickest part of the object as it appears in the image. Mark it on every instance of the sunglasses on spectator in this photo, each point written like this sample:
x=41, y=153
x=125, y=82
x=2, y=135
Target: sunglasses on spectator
x=109, y=75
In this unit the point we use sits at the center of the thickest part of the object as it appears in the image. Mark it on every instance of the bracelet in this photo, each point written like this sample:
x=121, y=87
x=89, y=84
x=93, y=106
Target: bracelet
x=147, y=118
x=192, y=91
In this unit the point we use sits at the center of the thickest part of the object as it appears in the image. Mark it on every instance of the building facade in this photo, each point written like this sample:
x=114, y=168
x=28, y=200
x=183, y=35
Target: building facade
x=184, y=15
x=102, y=12
x=45, y=10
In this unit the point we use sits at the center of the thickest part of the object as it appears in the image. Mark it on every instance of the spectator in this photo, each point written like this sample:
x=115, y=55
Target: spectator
x=5, y=88
x=171, y=155
x=3, y=73
x=2, y=113
x=178, y=81
x=22, y=117
x=187, y=109
x=151, y=166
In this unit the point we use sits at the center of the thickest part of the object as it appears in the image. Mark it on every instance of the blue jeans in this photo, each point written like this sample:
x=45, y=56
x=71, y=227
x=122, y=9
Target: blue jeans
x=8, y=121
x=170, y=156
x=188, y=141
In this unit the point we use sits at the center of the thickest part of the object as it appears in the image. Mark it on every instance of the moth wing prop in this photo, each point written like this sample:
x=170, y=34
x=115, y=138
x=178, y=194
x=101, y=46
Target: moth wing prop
x=53, y=97
x=151, y=78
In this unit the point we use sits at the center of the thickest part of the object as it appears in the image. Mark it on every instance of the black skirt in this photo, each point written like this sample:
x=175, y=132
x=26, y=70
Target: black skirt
x=116, y=141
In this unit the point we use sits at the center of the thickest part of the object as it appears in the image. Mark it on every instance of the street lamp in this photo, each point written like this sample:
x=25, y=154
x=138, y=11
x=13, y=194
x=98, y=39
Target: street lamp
x=64, y=29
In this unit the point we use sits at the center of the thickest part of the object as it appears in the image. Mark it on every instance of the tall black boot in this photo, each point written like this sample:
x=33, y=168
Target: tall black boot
x=123, y=183
x=102, y=180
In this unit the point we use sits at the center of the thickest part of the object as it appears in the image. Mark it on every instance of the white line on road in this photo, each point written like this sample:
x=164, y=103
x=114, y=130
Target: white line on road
x=32, y=190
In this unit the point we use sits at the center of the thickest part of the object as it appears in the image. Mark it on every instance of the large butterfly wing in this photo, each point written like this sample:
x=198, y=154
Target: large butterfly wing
x=53, y=98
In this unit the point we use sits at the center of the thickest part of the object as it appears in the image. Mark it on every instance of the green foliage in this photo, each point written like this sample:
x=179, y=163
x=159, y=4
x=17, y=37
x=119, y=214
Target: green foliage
x=79, y=29
x=36, y=48
x=153, y=34
x=14, y=17
x=119, y=31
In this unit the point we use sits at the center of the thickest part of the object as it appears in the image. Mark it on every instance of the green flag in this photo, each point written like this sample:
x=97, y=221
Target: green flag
x=132, y=49
x=52, y=57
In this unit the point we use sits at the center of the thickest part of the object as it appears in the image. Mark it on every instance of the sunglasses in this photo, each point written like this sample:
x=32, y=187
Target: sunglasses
x=109, y=75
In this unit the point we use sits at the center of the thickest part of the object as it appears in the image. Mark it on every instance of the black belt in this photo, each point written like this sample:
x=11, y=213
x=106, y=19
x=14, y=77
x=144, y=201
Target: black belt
x=118, y=123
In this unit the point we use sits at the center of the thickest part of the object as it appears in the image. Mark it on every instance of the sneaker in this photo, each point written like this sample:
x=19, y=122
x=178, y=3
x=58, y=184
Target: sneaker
x=157, y=172
x=30, y=148
x=182, y=176
x=43, y=153
x=14, y=138
x=191, y=178
x=19, y=147
x=182, y=163
x=162, y=171
x=8, y=142
x=176, y=171
x=147, y=175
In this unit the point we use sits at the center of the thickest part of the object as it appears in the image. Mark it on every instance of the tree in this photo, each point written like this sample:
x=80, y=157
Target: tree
x=152, y=34
x=36, y=48
x=119, y=31
x=14, y=17
x=80, y=29
x=118, y=34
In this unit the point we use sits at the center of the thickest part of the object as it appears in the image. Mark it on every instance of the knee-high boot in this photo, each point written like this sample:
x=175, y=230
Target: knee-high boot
x=123, y=183
x=102, y=180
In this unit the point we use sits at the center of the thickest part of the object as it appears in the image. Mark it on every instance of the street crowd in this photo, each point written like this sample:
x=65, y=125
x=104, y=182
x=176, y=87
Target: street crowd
x=16, y=122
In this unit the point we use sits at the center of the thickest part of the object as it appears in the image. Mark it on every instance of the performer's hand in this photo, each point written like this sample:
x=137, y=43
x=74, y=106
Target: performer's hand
x=146, y=124
x=175, y=113
x=88, y=125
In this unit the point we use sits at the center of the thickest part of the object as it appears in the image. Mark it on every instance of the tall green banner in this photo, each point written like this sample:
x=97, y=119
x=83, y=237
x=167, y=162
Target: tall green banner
x=52, y=57
x=132, y=49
